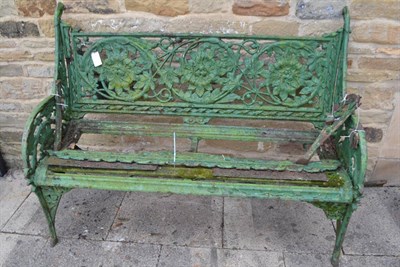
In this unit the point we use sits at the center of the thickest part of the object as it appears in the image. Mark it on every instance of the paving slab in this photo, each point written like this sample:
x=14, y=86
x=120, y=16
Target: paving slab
x=248, y=258
x=176, y=256
x=276, y=225
x=169, y=220
x=318, y=260
x=370, y=261
x=82, y=213
x=13, y=192
x=20, y=250
x=390, y=198
x=72, y=252
x=374, y=228
x=307, y=260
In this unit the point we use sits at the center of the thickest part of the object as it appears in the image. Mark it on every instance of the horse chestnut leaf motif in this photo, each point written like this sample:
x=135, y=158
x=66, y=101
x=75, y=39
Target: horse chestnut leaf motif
x=209, y=75
x=288, y=78
x=120, y=73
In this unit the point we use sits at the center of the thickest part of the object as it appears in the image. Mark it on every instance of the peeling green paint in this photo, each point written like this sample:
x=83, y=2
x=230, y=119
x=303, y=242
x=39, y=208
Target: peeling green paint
x=197, y=78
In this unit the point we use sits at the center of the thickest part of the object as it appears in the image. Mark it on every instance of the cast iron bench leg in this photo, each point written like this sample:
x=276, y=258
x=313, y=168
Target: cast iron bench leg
x=341, y=228
x=49, y=198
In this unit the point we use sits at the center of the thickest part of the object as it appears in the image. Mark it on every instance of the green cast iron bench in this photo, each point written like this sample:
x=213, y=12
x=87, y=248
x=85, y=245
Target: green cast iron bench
x=200, y=81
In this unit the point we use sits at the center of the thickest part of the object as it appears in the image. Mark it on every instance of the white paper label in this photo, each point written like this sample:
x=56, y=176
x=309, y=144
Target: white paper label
x=96, y=59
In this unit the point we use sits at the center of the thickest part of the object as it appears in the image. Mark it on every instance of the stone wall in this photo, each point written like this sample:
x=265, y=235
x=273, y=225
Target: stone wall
x=26, y=52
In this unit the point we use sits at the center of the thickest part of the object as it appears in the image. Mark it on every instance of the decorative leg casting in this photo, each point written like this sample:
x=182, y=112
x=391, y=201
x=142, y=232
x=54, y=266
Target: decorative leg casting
x=341, y=228
x=49, y=198
x=341, y=212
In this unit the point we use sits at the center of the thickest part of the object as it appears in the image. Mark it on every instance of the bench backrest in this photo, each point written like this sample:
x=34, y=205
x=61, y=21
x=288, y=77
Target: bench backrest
x=232, y=76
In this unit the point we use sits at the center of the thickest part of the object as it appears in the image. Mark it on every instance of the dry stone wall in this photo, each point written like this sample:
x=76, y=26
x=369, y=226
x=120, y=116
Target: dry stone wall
x=26, y=52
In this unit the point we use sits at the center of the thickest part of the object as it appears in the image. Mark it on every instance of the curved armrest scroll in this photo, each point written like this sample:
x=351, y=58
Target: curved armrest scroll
x=351, y=146
x=38, y=135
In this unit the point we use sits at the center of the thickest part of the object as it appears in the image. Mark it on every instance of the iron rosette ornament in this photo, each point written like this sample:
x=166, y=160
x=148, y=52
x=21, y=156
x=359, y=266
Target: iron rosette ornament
x=125, y=72
x=285, y=74
x=204, y=72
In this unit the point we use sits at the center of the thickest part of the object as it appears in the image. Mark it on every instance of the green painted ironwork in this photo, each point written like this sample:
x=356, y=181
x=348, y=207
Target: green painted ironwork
x=193, y=187
x=49, y=198
x=257, y=77
x=249, y=75
x=39, y=135
x=334, y=211
x=352, y=151
x=197, y=78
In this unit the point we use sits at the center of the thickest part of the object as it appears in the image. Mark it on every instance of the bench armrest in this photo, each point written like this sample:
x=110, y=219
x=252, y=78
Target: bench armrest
x=351, y=147
x=38, y=135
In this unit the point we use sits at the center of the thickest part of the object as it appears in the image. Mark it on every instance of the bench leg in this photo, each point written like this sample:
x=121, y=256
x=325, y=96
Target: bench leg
x=49, y=198
x=341, y=228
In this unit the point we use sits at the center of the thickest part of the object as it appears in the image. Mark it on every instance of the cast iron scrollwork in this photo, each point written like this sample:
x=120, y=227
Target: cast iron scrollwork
x=284, y=73
x=125, y=73
x=39, y=135
x=204, y=71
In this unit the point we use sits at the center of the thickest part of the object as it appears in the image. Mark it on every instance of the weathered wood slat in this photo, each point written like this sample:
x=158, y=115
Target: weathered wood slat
x=198, y=187
x=53, y=161
x=196, y=160
x=216, y=132
x=129, y=169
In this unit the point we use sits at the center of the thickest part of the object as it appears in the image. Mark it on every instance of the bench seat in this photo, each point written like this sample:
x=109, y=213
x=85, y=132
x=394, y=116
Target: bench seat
x=198, y=174
x=190, y=159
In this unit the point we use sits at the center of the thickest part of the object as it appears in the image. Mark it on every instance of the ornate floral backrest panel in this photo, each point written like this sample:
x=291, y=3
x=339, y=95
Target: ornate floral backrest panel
x=198, y=75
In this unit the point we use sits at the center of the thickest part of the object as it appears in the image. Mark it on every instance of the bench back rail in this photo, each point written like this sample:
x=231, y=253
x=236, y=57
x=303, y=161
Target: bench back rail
x=228, y=76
